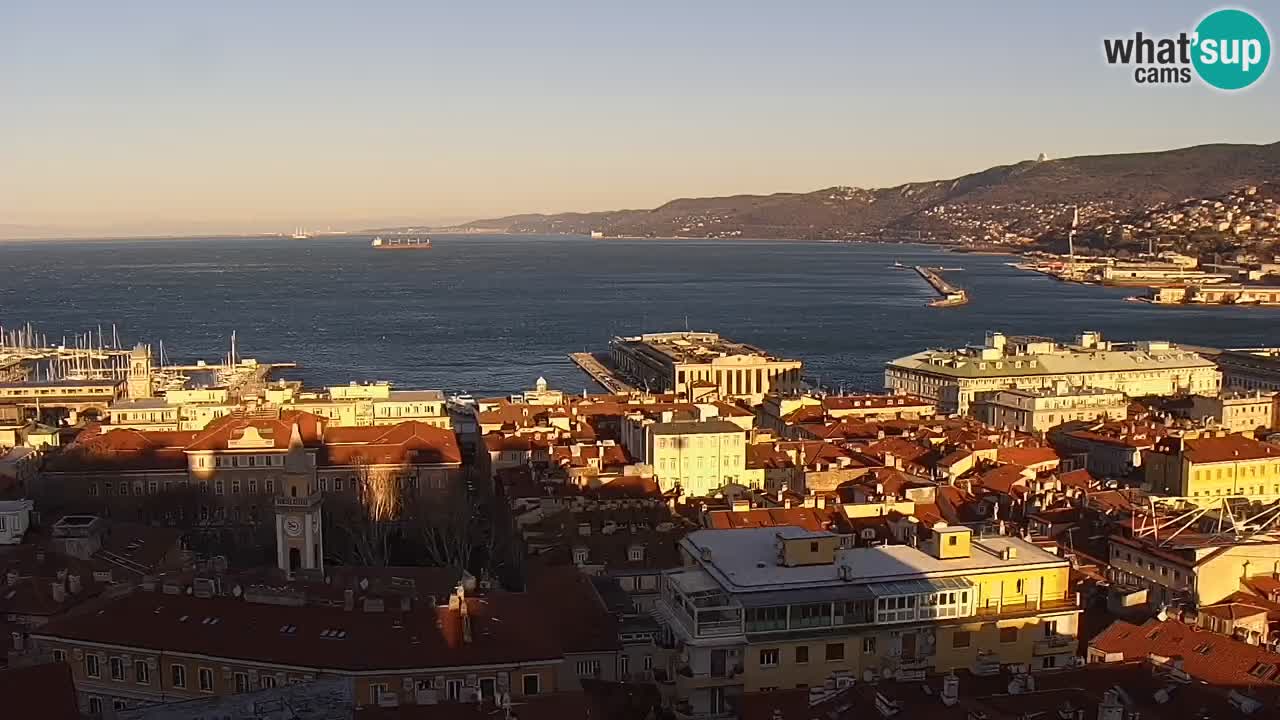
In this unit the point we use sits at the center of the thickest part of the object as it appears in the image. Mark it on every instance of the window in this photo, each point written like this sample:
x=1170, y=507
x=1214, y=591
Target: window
x=267, y=681
x=59, y=655
x=868, y=645
x=141, y=673
x=178, y=676
x=95, y=706
x=636, y=554
x=206, y=680
x=337, y=484
x=1050, y=661
x=769, y=658
x=802, y=654
x=118, y=705
x=453, y=689
x=815, y=615
x=91, y=666
x=648, y=662
x=961, y=639
x=377, y=690
x=532, y=684
x=489, y=686
x=242, y=682
x=1008, y=634
x=580, y=556
x=588, y=668
x=835, y=651
x=766, y=618
x=117, y=668
x=952, y=539
x=270, y=486
x=813, y=547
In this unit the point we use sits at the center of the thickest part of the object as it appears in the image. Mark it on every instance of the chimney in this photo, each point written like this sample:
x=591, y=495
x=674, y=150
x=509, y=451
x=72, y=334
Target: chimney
x=74, y=584
x=59, y=592
x=348, y=599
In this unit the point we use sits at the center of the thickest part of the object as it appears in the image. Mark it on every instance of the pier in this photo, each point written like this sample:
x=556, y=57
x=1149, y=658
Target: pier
x=951, y=296
x=603, y=376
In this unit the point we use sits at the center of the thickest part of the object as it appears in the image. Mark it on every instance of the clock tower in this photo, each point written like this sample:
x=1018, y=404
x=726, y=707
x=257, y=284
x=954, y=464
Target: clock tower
x=299, y=539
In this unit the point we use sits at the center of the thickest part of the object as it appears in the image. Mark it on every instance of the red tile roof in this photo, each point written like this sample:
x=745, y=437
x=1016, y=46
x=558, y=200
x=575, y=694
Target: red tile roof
x=506, y=628
x=219, y=433
x=1232, y=448
x=1206, y=656
x=1028, y=456
x=44, y=691
x=407, y=442
x=807, y=518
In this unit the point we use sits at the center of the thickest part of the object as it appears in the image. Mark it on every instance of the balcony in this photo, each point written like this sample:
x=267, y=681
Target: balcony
x=1029, y=606
x=1055, y=645
x=285, y=501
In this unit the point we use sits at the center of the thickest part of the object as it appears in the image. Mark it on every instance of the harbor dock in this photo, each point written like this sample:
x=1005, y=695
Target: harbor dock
x=604, y=377
x=951, y=296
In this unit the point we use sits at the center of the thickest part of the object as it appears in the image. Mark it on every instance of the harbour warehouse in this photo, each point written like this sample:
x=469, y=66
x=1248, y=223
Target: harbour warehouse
x=956, y=378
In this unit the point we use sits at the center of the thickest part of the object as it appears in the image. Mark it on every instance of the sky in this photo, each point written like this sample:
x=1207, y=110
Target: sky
x=178, y=117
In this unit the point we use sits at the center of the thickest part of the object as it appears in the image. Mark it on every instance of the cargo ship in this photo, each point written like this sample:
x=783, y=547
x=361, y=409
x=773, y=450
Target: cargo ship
x=401, y=244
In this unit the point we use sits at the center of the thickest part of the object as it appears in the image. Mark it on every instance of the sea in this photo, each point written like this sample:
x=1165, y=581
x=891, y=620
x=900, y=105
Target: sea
x=490, y=314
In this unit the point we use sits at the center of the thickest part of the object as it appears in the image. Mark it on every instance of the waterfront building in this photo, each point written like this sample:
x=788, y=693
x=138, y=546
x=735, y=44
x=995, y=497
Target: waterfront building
x=1250, y=369
x=955, y=378
x=1213, y=465
x=701, y=456
x=696, y=366
x=760, y=609
x=1035, y=410
x=75, y=396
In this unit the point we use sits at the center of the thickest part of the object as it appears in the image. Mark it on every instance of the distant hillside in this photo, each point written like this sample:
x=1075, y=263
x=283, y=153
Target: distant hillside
x=1126, y=183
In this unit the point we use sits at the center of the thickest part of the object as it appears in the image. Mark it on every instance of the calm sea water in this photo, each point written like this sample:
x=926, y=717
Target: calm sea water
x=491, y=314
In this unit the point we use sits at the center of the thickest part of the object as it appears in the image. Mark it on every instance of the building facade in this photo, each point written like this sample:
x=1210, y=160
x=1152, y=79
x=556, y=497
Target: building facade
x=1213, y=466
x=1038, y=409
x=697, y=365
x=954, y=379
x=700, y=456
x=763, y=609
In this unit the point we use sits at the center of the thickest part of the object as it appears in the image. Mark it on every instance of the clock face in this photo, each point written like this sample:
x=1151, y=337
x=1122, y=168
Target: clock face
x=293, y=526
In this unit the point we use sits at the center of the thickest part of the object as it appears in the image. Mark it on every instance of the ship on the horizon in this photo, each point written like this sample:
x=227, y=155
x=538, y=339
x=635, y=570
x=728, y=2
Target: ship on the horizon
x=300, y=234
x=401, y=243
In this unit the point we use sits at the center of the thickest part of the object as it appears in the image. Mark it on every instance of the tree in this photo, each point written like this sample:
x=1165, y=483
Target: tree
x=365, y=522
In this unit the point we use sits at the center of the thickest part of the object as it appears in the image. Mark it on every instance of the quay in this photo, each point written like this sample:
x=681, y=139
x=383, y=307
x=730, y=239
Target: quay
x=604, y=377
x=951, y=296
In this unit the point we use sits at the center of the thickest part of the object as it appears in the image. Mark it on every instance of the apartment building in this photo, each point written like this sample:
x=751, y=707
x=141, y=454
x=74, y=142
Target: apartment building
x=762, y=609
x=1035, y=410
x=696, y=366
x=1238, y=411
x=236, y=463
x=954, y=379
x=1199, y=567
x=781, y=413
x=700, y=456
x=1212, y=466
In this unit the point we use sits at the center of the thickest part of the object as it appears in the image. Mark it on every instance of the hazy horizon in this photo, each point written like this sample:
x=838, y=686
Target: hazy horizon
x=167, y=119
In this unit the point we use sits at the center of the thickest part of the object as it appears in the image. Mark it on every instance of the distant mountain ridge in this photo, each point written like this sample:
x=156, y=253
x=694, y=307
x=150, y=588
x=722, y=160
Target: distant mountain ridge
x=1128, y=182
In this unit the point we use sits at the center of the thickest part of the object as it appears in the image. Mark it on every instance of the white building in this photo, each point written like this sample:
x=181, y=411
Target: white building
x=1038, y=409
x=955, y=378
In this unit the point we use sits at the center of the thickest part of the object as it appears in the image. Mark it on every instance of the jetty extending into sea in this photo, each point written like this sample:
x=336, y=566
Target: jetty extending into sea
x=950, y=295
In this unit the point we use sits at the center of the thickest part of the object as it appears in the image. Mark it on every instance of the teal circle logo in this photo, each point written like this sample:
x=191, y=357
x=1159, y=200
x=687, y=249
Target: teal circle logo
x=1232, y=49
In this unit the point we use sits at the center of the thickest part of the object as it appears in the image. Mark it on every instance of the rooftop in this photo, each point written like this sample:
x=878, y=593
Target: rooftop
x=745, y=560
x=695, y=427
x=690, y=347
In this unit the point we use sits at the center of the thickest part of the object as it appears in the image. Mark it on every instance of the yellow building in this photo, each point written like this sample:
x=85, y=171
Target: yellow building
x=1240, y=411
x=760, y=609
x=700, y=456
x=1213, y=466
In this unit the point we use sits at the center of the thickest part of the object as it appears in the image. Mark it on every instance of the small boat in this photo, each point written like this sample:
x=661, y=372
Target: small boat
x=462, y=401
x=401, y=244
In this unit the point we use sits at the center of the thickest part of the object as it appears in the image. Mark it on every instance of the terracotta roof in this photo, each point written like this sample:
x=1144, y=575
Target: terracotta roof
x=44, y=691
x=1003, y=479
x=1232, y=448
x=574, y=609
x=505, y=628
x=1206, y=656
x=407, y=442
x=219, y=433
x=807, y=518
x=1082, y=479
x=1028, y=456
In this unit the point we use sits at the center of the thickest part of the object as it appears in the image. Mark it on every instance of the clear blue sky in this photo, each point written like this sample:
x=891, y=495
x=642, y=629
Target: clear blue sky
x=176, y=116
